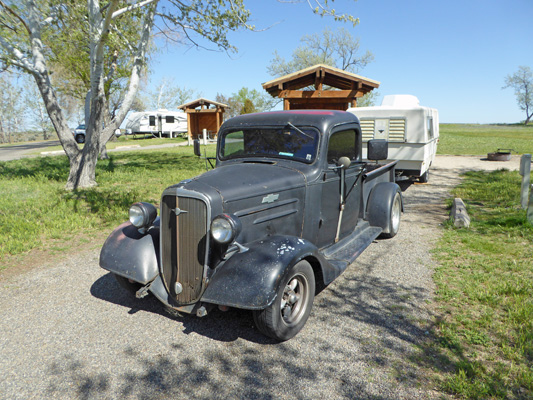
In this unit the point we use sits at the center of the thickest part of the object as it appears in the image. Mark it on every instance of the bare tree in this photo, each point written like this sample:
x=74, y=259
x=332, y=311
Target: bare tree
x=11, y=108
x=522, y=83
x=36, y=110
x=338, y=49
x=335, y=48
x=167, y=94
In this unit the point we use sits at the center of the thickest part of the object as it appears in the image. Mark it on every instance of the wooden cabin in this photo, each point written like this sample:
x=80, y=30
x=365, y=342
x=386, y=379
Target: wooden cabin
x=334, y=89
x=203, y=114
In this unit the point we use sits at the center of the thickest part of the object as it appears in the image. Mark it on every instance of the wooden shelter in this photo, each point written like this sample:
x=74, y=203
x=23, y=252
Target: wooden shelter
x=335, y=89
x=203, y=114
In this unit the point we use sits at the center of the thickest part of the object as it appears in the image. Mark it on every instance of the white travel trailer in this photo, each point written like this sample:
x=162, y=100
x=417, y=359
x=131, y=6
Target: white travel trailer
x=158, y=123
x=411, y=130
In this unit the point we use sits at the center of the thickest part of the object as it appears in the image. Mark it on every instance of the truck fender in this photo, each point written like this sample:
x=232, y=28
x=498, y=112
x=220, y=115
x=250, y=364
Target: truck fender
x=131, y=254
x=379, y=204
x=251, y=279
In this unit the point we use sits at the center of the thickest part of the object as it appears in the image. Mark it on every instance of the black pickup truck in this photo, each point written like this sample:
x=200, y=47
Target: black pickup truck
x=289, y=205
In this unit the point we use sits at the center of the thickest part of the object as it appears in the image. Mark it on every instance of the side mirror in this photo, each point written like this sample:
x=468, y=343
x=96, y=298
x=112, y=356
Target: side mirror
x=378, y=149
x=196, y=145
x=344, y=162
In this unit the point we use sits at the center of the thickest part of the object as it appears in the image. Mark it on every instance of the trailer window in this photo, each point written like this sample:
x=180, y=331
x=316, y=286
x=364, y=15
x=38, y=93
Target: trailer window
x=430, y=127
x=342, y=144
x=152, y=120
x=169, y=119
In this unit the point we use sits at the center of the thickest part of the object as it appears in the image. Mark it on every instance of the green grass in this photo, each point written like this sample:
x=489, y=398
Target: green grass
x=37, y=213
x=485, y=293
x=474, y=139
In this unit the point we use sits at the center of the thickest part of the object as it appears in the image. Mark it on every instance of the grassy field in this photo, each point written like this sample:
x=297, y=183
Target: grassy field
x=38, y=214
x=485, y=293
x=475, y=139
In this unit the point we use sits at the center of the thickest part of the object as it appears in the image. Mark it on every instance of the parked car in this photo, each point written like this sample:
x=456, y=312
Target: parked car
x=79, y=134
x=288, y=207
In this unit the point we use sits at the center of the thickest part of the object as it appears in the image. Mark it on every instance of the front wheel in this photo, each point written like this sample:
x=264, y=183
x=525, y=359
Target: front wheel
x=287, y=315
x=128, y=284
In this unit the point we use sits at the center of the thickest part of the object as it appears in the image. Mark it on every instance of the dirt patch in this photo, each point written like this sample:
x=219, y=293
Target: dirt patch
x=50, y=255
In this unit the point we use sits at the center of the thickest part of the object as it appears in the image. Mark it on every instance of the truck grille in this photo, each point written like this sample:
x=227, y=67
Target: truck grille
x=183, y=246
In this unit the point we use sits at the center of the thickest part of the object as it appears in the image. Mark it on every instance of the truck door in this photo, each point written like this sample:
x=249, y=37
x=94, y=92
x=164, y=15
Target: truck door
x=341, y=144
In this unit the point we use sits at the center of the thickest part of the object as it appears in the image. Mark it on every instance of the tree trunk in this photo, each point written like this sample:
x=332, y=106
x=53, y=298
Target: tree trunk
x=2, y=134
x=103, y=153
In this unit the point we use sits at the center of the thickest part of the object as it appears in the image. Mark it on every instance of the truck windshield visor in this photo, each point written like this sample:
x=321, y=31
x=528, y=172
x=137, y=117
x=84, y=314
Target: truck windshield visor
x=288, y=142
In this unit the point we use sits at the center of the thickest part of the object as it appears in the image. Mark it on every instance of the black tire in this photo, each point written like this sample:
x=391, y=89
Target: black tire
x=395, y=216
x=131, y=287
x=287, y=315
x=80, y=138
x=424, y=178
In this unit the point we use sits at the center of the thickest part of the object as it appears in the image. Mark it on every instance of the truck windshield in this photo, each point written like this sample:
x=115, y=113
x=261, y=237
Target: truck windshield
x=296, y=144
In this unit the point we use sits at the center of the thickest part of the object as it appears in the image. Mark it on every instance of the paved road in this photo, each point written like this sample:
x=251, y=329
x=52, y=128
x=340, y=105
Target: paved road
x=68, y=331
x=24, y=150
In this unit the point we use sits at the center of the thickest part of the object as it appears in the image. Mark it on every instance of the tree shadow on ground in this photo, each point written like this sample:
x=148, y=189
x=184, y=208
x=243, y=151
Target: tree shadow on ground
x=338, y=331
x=220, y=326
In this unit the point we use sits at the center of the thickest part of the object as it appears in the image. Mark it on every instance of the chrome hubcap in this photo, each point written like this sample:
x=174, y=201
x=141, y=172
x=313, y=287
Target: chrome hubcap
x=293, y=300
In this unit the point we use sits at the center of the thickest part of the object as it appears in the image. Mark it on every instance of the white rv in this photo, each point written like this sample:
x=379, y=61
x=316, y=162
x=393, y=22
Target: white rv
x=158, y=123
x=411, y=130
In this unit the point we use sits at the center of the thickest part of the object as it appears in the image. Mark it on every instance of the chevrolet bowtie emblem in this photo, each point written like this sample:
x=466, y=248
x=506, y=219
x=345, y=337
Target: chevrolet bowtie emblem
x=271, y=198
x=177, y=211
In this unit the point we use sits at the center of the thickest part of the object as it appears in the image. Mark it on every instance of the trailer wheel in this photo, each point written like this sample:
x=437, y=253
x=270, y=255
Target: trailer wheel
x=395, y=217
x=287, y=315
x=80, y=138
x=424, y=178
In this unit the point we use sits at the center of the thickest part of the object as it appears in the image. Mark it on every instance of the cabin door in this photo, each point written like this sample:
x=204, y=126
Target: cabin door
x=341, y=144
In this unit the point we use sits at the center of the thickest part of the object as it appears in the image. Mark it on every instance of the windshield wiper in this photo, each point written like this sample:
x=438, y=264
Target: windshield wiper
x=300, y=131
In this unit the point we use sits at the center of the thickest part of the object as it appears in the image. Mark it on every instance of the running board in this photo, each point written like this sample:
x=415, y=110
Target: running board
x=340, y=255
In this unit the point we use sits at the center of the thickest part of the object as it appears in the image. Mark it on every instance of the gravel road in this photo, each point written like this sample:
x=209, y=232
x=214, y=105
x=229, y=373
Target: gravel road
x=68, y=331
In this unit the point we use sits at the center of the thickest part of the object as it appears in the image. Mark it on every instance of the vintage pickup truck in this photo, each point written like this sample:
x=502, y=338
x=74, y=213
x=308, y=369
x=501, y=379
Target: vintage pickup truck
x=289, y=205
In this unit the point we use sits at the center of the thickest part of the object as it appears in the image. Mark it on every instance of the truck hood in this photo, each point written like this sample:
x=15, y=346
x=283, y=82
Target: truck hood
x=240, y=181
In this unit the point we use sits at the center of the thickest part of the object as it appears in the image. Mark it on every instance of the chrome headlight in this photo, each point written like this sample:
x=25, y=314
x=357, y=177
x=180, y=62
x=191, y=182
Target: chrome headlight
x=225, y=228
x=142, y=215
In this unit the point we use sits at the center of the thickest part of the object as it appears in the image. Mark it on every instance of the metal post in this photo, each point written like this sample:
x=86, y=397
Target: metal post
x=530, y=208
x=525, y=171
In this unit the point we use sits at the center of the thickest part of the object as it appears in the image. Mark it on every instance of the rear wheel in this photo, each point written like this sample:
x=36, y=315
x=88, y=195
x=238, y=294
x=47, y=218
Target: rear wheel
x=287, y=315
x=424, y=178
x=129, y=285
x=395, y=216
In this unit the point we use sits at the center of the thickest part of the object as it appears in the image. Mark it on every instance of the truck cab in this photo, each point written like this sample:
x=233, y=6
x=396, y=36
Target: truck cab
x=288, y=206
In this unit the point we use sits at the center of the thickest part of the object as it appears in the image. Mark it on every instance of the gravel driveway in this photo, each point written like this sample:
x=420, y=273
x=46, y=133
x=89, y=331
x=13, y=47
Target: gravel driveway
x=68, y=330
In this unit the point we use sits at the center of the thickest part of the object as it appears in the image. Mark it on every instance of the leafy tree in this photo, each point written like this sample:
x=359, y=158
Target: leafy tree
x=107, y=37
x=248, y=107
x=246, y=101
x=522, y=83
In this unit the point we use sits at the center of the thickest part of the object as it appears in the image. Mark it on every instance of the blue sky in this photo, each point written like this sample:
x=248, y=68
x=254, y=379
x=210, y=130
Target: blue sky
x=453, y=55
